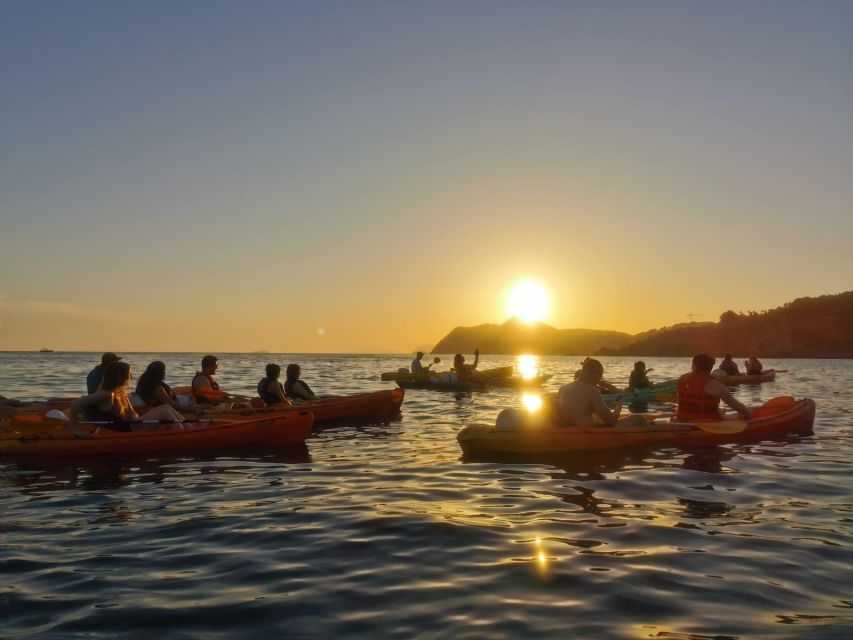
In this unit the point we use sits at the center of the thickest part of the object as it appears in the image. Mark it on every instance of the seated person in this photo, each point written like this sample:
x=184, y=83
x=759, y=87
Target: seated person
x=753, y=366
x=111, y=406
x=581, y=404
x=465, y=372
x=93, y=380
x=154, y=392
x=270, y=389
x=419, y=367
x=294, y=388
x=205, y=387
x=639, y=378
x=729, y=366
x=699, y=394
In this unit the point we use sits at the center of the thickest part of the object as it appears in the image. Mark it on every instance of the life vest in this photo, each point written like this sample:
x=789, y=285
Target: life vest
x=693, y=402
x=266, y=396
x=288, y=389
x=208, y=394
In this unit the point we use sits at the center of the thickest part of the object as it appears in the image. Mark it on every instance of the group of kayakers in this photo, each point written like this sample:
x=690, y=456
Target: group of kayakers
x=728, y=367
x=698, y=396
x=581, y=403
x=460, y=372
x=108, y=399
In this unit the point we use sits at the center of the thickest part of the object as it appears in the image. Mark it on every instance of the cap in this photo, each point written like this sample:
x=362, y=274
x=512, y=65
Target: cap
x=108, y=357
x=420, y=354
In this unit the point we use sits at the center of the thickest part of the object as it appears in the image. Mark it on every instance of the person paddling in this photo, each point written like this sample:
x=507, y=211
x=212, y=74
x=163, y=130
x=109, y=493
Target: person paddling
x=270, y=389
x=419, y=367
x=699, y=395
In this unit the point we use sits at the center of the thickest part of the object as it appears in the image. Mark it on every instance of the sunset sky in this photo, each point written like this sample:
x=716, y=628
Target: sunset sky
x=364, y=176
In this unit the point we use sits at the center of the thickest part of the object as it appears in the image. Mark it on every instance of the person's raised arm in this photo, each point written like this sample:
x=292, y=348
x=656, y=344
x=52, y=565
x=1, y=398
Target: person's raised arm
x=476, y=358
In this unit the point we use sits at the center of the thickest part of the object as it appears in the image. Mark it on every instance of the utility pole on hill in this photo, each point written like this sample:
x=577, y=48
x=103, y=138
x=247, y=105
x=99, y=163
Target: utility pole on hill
x=691, y=315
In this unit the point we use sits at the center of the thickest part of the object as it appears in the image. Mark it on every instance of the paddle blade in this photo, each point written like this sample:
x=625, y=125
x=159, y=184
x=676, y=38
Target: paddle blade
x=724, y=428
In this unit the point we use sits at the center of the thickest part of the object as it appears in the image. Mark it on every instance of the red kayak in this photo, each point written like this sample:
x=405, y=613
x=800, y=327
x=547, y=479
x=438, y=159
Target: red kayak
x=327, y=411
x=38, y=435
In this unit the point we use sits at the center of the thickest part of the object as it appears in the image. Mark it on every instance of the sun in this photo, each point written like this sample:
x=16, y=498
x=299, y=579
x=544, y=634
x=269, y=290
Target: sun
x=528, y=301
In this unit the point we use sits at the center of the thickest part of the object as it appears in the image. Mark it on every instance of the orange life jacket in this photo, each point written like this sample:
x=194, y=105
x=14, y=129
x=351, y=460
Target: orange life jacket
x=693, y=403
x=208, y=394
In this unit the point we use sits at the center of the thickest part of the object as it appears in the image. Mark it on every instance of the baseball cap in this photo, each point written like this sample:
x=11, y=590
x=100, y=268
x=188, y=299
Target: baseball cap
x=108, y=357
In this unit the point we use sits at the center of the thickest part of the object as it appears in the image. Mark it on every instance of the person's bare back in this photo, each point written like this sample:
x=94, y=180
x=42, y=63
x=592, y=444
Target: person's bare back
x=580, y=401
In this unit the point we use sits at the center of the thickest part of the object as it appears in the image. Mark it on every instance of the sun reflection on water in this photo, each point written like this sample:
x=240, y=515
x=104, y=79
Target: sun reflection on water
x=532, y=402
x=528, y=366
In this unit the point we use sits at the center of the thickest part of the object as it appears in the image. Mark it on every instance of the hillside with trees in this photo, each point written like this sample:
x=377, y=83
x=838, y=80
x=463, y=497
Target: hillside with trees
x=819, y=327
x=513, y=337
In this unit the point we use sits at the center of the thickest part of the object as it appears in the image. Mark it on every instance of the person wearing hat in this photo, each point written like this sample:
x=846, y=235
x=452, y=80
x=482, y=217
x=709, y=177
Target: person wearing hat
x=639, y=378
x=93, y=380
x=418, y=366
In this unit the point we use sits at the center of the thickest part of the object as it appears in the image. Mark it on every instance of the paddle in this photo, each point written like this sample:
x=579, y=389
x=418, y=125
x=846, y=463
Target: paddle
x=711, y=427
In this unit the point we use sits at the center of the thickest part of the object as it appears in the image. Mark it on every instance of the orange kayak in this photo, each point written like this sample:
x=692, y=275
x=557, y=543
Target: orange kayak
x=327, y=411
x=37, y=435
x=541, y=438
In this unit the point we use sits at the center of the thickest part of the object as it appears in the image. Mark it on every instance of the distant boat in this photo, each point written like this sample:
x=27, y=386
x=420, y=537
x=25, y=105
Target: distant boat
x=45, y=350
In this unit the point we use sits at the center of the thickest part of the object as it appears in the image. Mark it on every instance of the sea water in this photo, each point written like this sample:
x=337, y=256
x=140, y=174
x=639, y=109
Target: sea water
x=383, y=530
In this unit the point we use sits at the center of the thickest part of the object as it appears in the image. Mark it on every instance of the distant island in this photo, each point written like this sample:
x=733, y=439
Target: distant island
x=820, y=327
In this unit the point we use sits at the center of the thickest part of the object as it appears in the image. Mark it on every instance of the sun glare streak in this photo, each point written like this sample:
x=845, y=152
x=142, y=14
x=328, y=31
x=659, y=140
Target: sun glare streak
x=528, y=366
x=528, y=301
x=532, y=402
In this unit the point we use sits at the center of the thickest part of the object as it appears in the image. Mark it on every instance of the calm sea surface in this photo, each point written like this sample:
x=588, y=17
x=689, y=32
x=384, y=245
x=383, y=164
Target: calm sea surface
x=384, y=531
